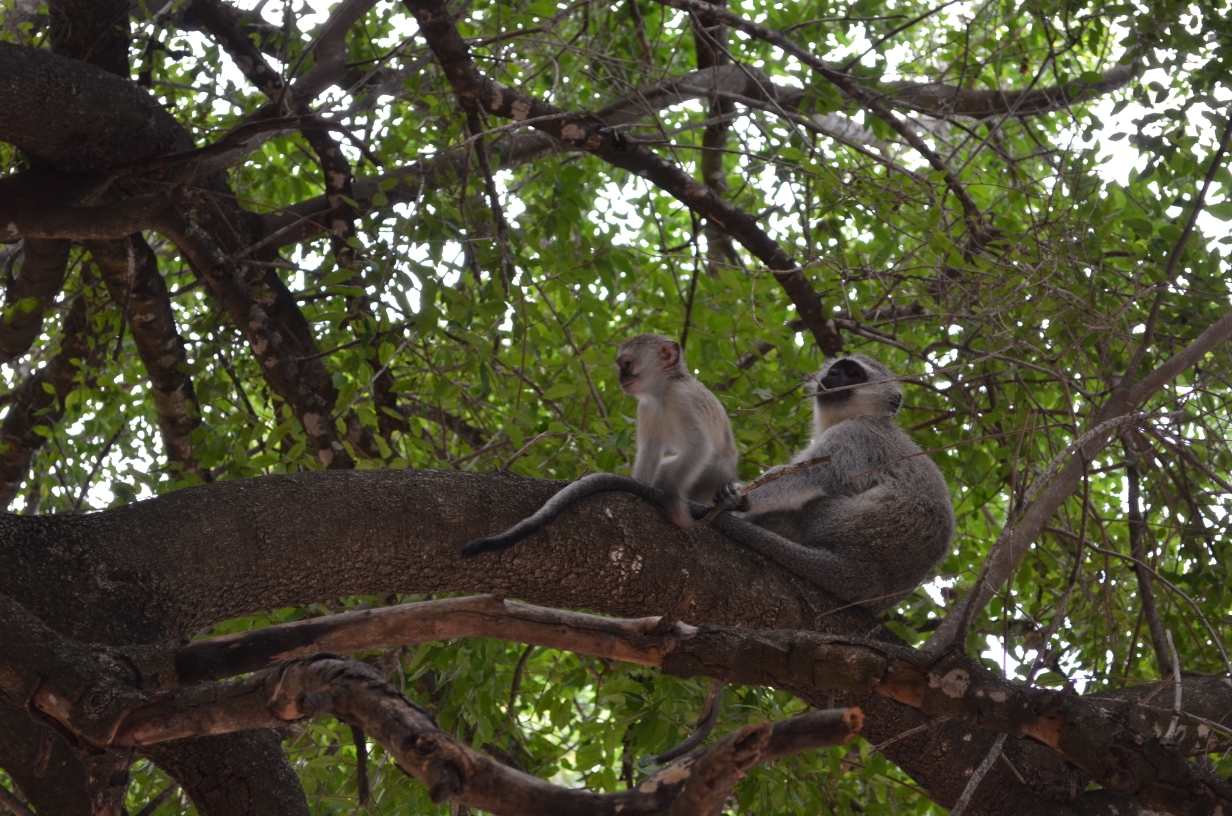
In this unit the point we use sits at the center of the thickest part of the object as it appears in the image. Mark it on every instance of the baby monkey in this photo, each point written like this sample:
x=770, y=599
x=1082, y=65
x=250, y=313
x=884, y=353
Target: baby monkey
x=675, y=414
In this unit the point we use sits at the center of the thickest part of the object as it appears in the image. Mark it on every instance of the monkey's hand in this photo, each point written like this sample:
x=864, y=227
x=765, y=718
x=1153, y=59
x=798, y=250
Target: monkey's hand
x=730, y=498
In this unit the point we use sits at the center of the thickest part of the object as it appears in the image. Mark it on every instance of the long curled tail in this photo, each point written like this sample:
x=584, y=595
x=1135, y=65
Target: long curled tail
x=594, y=483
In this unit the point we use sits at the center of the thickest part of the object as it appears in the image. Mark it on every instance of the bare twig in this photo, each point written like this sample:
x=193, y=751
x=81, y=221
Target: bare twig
x=866, y=97
x=1148, y=336
x=1177, y=711
x=978, y=776
x=163, y=795
x=706, y=718
x=530, y=444
x=770, y=477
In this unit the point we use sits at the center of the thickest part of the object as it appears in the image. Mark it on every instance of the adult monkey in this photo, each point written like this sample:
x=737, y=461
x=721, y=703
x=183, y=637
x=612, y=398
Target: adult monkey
x=868, y=523
x=676, y=414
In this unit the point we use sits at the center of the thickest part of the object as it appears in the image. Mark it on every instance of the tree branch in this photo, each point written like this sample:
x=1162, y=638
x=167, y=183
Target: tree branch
x=330, y=50
x=941, y=101
x=130, y=271
x=1016, y=540
x=38, y=402
x=39, y=280
x=96, y=699
x=587, y=132
x=1085, y=731
x=280, y=365
x=869, y=99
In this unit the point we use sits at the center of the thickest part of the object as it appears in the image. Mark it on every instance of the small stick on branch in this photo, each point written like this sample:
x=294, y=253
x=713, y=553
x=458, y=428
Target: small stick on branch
x=770, y=477
x=163, y=795
x=978, y=776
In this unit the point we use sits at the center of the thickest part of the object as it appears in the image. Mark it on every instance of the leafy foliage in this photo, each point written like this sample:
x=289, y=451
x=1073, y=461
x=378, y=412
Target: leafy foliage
x=1008, y=344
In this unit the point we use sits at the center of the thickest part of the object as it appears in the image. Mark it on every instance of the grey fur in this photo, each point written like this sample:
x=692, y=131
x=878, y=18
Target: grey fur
x=870, y=524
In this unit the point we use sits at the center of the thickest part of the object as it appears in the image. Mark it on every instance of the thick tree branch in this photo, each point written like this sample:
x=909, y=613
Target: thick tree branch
x=939, y=100
x=99, y=120
x=330, y=50
x=39, y=279
x=869, y=99
x=223, y=24
x=169, y=566
x=38, y=402
x=710, y=45
x=302, y=220
x=338, y=220
x=267, y=36
x=95, y=698
x=1086, y=731
x=22, y=218
x=280, y=364
x=130, y=271
x=587, y=132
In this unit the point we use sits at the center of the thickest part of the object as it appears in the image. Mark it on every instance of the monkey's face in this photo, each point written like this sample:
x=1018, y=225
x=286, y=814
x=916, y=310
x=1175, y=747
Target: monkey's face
x=854, y=386
x=632, y=381
x=838, y=382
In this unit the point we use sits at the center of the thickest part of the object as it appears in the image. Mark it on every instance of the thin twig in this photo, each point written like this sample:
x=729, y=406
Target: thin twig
x=978, y=776
x=163, y=795
x=1176, y=697
x=1148, y=336
x=770, y=477
x=1215, y=636
x=505, y=465
x=909, y=732
x=516, y=683
x=10, y=801
x=706, y=718
x=1137, y=529
x=967, y=609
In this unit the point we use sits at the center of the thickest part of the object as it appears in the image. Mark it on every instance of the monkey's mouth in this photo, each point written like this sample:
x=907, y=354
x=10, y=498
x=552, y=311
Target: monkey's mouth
x=628, y=383
x=833, y=397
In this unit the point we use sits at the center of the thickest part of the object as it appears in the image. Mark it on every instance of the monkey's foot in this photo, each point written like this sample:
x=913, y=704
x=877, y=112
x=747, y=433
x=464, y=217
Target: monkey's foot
x=678, y=514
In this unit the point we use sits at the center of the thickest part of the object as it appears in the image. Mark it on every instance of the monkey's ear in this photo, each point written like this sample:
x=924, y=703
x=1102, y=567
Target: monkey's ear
x=669, y=353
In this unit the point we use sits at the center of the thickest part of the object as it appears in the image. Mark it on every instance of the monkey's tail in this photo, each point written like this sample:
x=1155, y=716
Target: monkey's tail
x=594, y=483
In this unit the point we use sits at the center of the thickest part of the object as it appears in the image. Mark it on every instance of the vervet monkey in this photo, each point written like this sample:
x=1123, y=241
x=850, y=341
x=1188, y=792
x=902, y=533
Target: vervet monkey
x=871, y=522
x=675, y=414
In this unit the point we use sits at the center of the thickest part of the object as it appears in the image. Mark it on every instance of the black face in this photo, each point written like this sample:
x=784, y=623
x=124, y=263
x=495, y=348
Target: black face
x=842, y=373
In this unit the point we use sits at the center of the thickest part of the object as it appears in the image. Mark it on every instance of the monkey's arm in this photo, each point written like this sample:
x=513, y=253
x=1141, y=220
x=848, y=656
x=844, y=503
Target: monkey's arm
x=649, y=455
x=677, y=475
x=594, y=483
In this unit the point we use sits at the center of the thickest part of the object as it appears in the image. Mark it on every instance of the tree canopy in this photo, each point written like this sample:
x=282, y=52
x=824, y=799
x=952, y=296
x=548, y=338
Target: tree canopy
x=247, y=243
